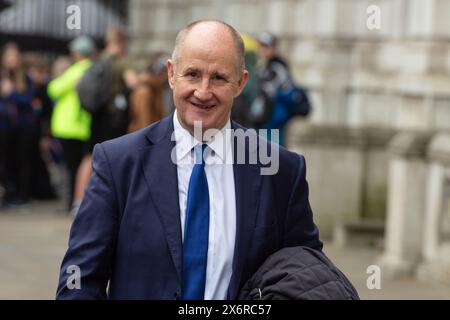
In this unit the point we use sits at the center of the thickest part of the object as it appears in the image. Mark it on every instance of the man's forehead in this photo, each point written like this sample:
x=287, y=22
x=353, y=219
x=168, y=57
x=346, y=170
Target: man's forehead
x=207, y=56
x=207, y=68
x=202, y=67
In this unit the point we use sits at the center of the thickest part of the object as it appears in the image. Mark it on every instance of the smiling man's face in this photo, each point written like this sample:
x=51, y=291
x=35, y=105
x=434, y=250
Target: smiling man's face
x=206, y=77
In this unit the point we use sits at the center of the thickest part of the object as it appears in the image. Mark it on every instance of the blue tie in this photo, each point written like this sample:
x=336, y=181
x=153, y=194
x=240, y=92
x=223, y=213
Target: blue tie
x=196, y=231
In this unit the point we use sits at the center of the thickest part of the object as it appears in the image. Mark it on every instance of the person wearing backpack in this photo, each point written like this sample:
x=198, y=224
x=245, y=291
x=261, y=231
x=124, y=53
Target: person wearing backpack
x=71, y=124
x=104, y=92
x=105, y=87
x=280, y=98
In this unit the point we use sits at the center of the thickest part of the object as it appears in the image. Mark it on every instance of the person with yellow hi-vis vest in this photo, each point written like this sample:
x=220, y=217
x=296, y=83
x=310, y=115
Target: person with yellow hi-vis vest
x=70, y=123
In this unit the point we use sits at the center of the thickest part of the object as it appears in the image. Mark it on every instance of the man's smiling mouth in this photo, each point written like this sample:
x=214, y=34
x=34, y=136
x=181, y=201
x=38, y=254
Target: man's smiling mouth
x=203, y=106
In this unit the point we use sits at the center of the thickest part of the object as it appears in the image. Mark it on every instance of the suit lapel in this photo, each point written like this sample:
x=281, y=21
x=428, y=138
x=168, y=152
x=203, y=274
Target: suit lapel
x=161, y=176
x=247, y=181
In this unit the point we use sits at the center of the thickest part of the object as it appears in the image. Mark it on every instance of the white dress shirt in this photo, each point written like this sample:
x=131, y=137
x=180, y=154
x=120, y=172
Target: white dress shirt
x=222, y=200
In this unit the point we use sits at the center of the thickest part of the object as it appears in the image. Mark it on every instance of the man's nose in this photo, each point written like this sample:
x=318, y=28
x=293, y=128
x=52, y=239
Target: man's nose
x=203, y=91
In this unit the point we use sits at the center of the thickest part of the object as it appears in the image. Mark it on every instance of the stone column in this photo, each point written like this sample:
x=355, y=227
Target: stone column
x=436, y=240
x=406, y=198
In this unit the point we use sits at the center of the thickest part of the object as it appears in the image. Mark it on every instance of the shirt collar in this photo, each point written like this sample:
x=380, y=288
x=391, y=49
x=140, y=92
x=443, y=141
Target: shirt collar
x=185, y=142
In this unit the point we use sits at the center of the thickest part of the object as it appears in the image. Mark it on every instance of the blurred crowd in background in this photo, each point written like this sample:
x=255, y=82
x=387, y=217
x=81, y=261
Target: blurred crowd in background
x=376, y=140
x=53, y=110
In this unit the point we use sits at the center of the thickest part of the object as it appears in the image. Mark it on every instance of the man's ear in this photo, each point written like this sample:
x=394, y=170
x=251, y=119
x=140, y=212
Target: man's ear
x=170, y=72
x=242, y=82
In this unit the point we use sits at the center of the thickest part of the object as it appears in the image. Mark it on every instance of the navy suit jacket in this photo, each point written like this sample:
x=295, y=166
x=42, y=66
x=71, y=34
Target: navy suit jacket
x=126, y=238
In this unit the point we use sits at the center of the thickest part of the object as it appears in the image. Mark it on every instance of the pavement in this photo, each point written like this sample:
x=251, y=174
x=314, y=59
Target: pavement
x=33, y=242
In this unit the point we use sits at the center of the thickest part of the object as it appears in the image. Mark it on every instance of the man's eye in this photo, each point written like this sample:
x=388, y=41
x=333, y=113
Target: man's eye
x=192, y=74
x=218, y=78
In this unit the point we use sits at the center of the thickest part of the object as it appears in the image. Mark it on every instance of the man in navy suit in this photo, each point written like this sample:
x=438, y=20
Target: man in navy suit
x=131, y=236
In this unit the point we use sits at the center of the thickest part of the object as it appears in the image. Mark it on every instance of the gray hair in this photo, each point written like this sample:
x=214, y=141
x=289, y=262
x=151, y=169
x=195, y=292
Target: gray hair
x=237, y=39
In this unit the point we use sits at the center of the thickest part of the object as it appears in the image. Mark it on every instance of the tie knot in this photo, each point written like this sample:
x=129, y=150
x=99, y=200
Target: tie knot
x=200, y=153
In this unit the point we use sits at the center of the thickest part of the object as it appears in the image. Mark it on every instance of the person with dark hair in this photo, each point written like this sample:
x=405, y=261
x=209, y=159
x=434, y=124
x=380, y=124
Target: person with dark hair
x=39, y=72
x=16, y=127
